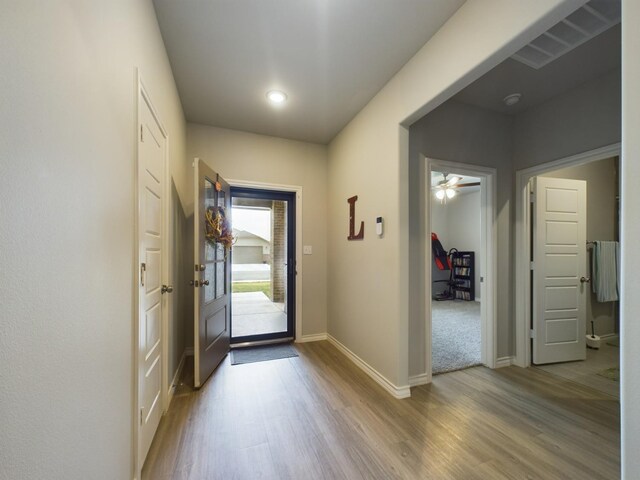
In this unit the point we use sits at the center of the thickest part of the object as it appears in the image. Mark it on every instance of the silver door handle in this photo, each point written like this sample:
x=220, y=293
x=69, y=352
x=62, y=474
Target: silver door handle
x=166, y=289
x=204, y=282
x=585, y=279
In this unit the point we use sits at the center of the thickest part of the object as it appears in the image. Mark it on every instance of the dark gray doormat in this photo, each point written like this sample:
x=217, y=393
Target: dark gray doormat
x=261, y=354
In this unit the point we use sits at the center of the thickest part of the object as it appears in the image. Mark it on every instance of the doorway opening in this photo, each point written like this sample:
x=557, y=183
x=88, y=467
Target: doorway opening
x=263, y=300
x=460, y=266
x=592, y=282
x=455, y=283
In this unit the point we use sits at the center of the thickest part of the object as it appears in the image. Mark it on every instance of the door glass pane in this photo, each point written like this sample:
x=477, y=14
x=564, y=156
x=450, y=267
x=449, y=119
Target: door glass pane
x=220, y=283
x=209, y=249
x=209, y=194
x=209, y=274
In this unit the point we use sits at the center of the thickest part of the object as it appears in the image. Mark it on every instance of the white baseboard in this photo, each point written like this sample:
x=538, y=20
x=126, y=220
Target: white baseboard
x=176, y=378
x=312, y=338
x=417, y=380
x=504, y=362
x=608, y=336
x=397, y=392
x=188, y=351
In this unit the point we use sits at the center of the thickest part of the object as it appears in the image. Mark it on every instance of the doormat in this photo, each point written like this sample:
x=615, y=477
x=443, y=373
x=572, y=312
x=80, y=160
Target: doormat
x=611, y=374
x=261, y=354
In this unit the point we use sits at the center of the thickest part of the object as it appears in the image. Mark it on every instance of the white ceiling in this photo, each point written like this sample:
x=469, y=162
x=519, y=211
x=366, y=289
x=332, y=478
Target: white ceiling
x=330, y=56
x=437, y=177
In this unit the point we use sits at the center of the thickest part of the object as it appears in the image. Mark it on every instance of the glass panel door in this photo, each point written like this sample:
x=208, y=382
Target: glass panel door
x=263, y=271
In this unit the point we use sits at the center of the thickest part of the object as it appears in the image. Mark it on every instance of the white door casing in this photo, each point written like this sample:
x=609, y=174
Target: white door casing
x=488, y=259
x=151, y=230
x=559, y=263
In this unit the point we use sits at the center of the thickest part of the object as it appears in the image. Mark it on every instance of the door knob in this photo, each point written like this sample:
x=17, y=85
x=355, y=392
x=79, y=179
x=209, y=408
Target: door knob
x=585, y=279
x=166, y=289
x=204, y=282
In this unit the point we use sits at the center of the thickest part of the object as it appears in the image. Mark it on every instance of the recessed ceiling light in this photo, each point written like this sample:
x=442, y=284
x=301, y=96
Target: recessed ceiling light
x=276, y=97
x=512, y=99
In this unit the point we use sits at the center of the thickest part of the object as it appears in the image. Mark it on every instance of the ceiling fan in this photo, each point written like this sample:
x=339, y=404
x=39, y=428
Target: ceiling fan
x=447, y=189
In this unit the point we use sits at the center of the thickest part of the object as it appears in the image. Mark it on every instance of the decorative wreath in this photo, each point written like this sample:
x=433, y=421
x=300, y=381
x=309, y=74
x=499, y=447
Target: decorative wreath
x=217, y=228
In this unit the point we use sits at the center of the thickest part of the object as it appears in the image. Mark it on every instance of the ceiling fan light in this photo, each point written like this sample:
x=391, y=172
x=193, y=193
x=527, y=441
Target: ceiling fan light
x=450, y=192
x=440, y=194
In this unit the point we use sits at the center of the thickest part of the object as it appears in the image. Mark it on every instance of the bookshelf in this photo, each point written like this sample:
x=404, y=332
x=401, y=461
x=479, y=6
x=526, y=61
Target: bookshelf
x=464, y=271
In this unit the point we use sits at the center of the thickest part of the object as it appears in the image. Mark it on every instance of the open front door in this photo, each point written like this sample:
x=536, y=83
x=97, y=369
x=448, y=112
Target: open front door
x=212, y=274
x=560, y=270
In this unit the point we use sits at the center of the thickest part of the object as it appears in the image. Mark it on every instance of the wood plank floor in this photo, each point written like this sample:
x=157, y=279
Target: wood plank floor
x=317, y=416
x=587, y=372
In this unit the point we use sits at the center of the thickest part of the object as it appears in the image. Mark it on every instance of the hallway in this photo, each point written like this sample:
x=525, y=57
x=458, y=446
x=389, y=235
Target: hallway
x=318, y=416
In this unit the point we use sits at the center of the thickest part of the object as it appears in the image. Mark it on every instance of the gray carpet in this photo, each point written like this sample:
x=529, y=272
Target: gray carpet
x=456, y=335
x=261, y=354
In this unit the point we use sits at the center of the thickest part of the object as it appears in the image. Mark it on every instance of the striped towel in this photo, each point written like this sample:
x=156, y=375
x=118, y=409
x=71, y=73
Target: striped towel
x=604, y=262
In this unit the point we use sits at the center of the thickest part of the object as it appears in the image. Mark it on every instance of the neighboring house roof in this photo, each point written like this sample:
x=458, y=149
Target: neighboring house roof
x=245, y=238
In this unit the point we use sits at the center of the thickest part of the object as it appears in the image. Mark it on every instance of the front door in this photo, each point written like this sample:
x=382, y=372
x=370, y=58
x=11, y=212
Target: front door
x=212, y=271
x=263, y=266
x=559, y=270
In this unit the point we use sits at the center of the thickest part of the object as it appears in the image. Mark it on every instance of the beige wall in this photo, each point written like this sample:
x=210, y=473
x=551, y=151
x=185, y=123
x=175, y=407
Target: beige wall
x=602, y=209
x=370, y=158
x=630, y=286
x=259, y=158
x=67, y=164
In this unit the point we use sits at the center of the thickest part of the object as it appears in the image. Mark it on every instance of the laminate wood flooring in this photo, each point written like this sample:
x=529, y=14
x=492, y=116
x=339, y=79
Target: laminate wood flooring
x=317, y=416
x=587, y=372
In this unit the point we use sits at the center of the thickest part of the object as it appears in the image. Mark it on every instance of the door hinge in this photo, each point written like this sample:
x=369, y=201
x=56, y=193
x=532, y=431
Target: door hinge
x=532, y=265
x=141, y=415
x=532, y=333
x=532, y=197
x=143, y=268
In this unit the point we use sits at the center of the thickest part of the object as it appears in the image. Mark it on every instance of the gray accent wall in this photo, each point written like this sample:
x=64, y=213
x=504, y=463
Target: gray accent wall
x=583, y=119
x=458, y=133
x=580, y=120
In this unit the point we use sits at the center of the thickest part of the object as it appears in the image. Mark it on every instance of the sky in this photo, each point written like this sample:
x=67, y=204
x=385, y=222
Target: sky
x=252, y=220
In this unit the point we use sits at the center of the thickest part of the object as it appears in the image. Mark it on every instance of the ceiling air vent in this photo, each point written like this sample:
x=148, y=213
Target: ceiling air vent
x=585, y=23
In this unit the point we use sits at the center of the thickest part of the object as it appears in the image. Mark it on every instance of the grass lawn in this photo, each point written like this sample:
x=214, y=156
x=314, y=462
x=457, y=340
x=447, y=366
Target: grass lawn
x=240, y=287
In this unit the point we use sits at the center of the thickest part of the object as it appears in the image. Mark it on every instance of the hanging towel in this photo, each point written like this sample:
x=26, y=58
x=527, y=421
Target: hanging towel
x=604, y=263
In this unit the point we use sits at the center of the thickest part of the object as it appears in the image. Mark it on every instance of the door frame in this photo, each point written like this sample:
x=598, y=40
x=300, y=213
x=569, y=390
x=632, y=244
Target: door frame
x=142, y=95
x=298, y=281
x=523, y=234
x=289, y=334
x=488, y=261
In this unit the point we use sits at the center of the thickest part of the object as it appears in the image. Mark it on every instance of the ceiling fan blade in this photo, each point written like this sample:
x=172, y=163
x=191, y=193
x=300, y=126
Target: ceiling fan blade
x=474, y=184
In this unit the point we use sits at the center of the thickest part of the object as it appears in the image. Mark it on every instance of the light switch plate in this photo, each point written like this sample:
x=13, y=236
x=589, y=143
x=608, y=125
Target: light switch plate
x=307, y=249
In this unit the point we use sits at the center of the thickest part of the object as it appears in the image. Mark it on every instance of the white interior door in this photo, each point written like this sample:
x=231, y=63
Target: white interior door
x=151, y=188
x=560, y=270
x=212, y=276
